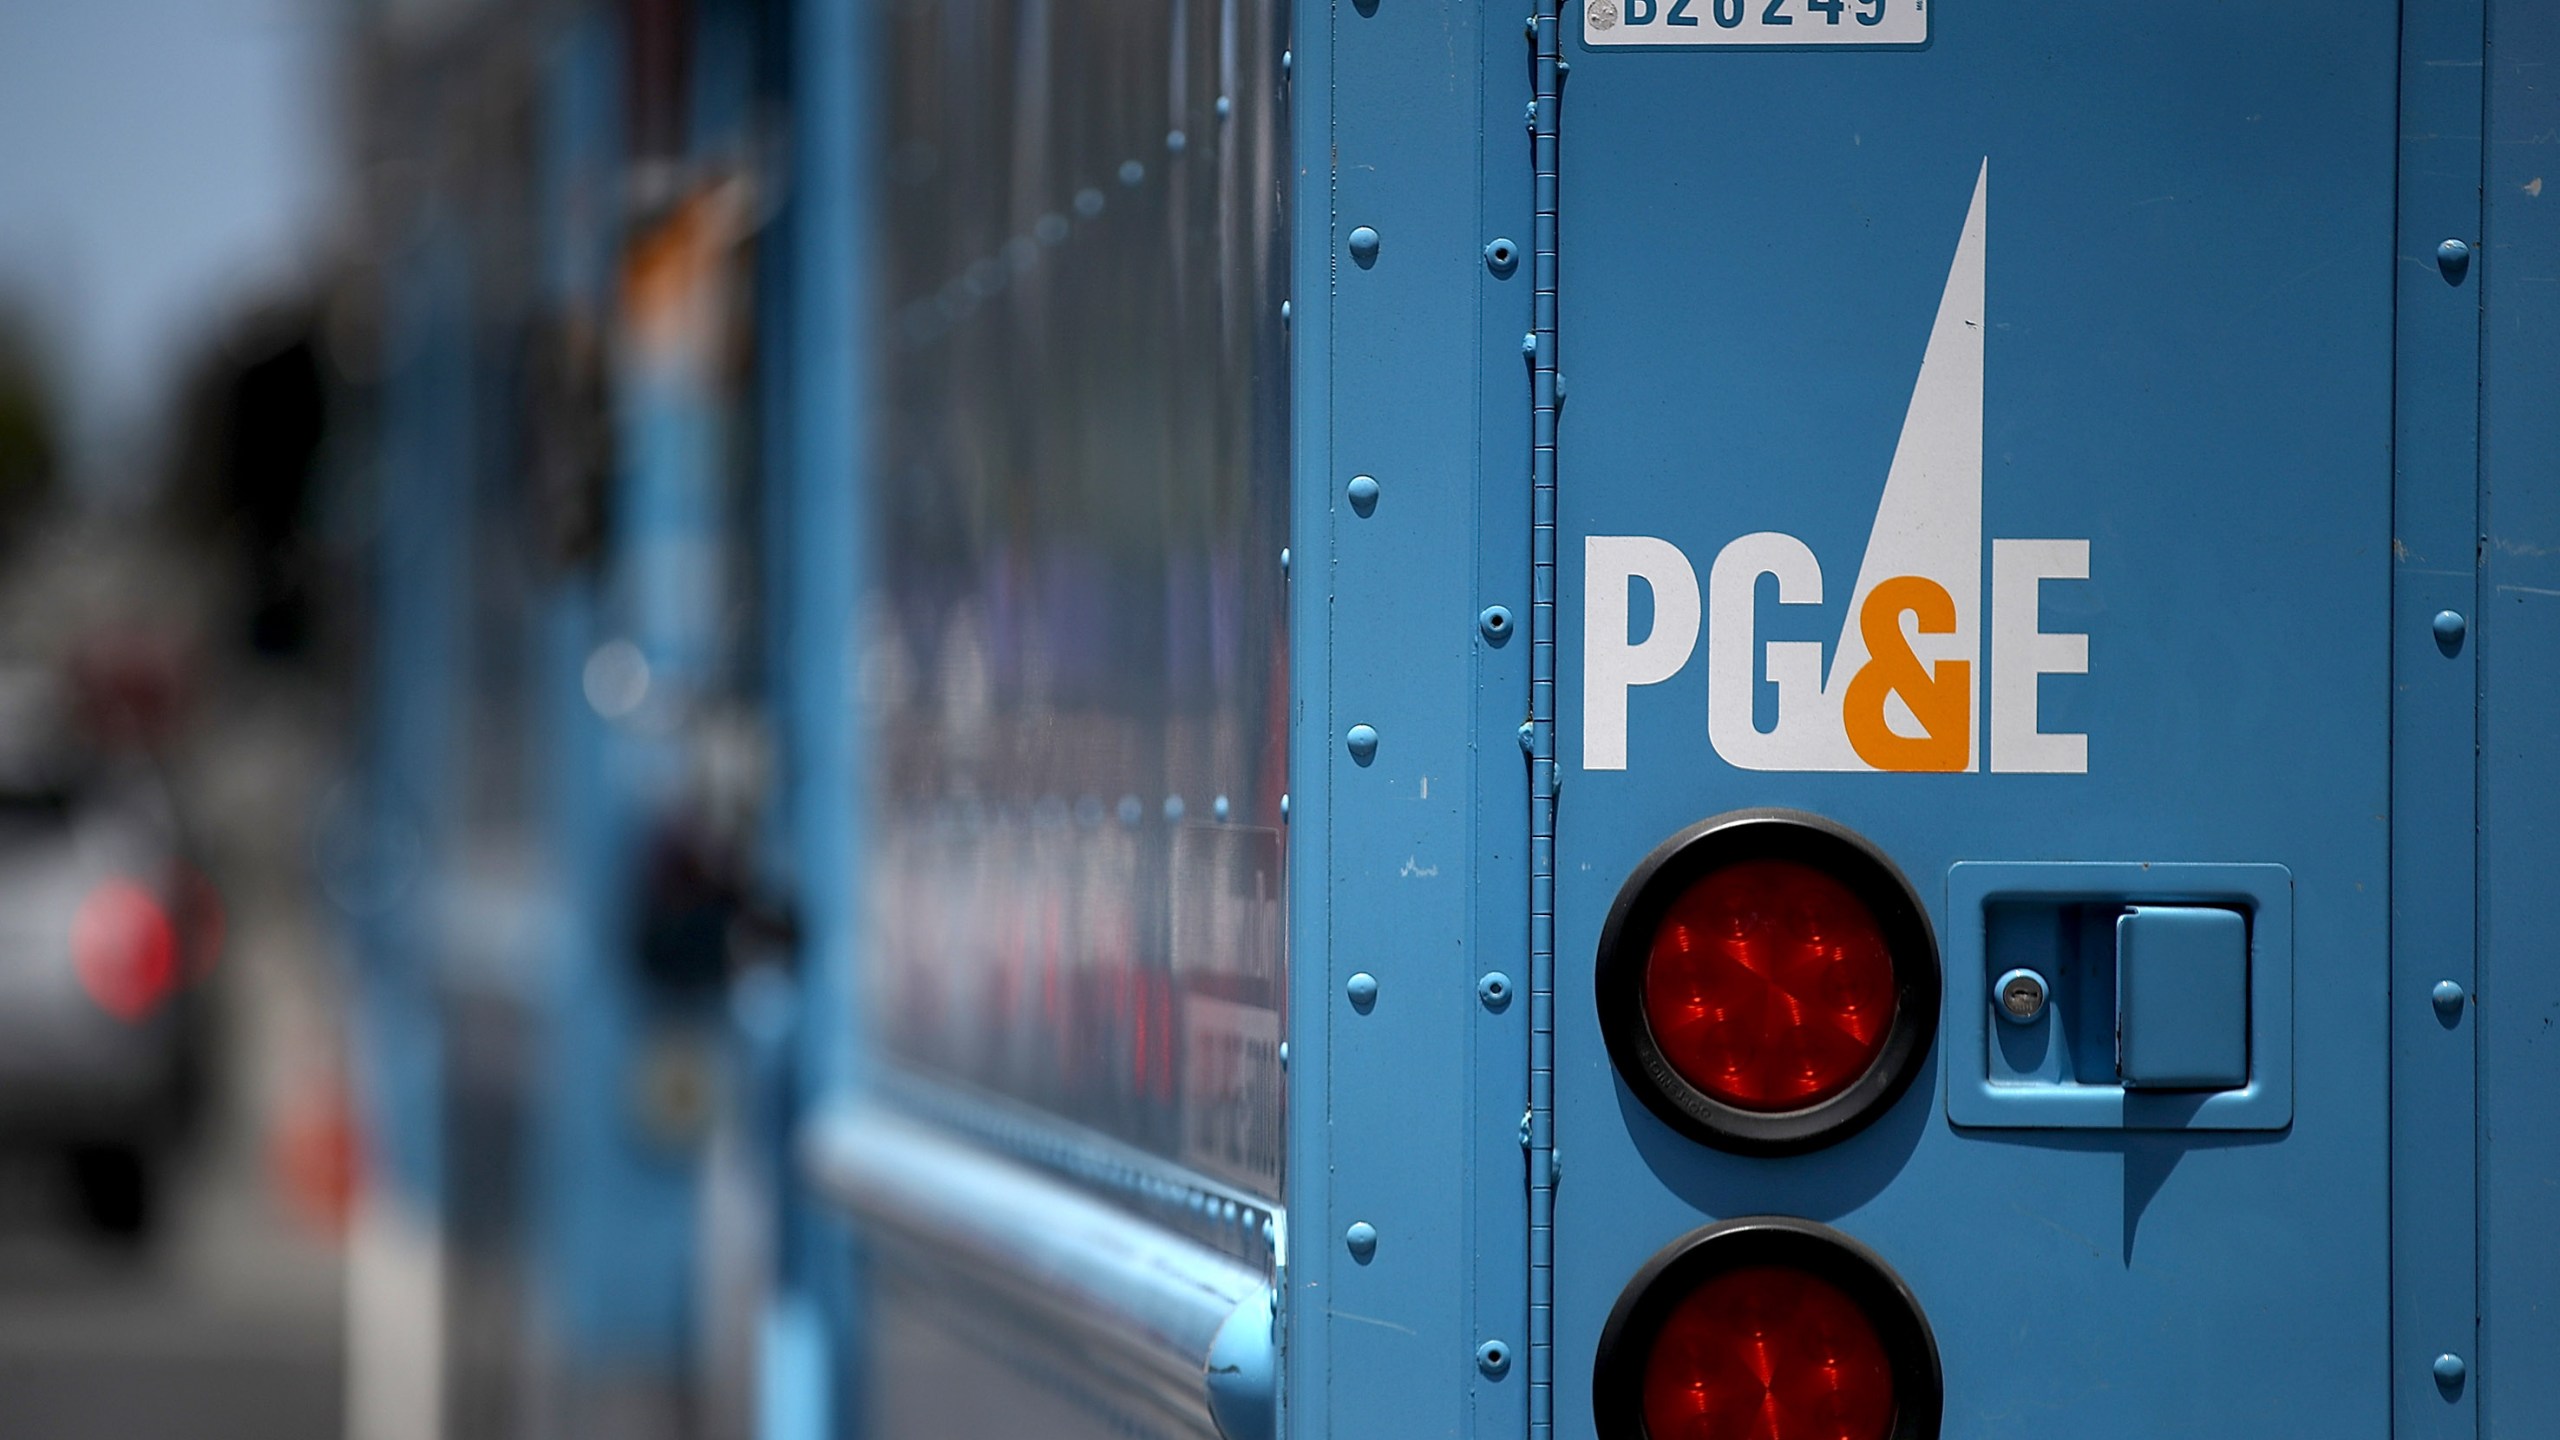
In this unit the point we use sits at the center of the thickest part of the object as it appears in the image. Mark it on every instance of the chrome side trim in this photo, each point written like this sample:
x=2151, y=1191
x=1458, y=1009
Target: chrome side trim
x=1143, y=1300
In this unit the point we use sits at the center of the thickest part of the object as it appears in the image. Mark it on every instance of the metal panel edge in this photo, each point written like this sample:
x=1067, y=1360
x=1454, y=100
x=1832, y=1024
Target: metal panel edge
x=1388, y=385
x=2434, y=1287
x=1507, y=281
x=1306, y=1359
x=2518, y=635
x=829, y=265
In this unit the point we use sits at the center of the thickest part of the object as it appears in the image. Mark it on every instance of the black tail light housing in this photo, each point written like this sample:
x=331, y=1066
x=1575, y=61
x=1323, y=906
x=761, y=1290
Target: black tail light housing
x=1768, y=982
x=1767, y=1328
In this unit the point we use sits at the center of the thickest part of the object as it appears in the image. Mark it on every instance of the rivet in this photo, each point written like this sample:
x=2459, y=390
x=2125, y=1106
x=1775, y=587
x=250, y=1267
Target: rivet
x=1529, y=344
x=2450, y=627
x=1218, y=807
x=2453, y=257
x=1284, y=559
x=1559, y=387
x=1089, y=202
x=1528, y=736
x=1288, y=61
x=1131, y=812
x=1364, y=246
x=1284, y=806
x=1493, y=1357
x=2450, y=1371
x=1175, y=140
x=1494, y=990
x=1362, y=742
x=1362, y=492
x=1173, y=807
x=1052, y=229
x=1226, y=107
x=1495, y=622
x=2448, y=998
x=1131, y=172
x=1284, y=312
x=1501, y=256
x=1284, y=1054
x=1362, y=991
x=1362, y=1240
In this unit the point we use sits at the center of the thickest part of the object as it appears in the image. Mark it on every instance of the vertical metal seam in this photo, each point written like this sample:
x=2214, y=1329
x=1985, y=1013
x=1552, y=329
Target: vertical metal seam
x=2477, y=228
x=1548, y=28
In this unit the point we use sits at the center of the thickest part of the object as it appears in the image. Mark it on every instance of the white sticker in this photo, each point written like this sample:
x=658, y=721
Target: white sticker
x=1755, y=22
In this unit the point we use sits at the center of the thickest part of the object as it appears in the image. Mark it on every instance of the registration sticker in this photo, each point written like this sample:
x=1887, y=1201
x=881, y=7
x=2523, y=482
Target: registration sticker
x=1763, y=23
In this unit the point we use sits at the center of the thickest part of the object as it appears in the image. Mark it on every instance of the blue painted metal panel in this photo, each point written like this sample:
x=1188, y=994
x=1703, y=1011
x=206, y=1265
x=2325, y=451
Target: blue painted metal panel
x=2435, y=530
x=412, y=752
x=2185, y=327
x=2518, y=635
x=827, y=563
x=1506, y=280
x=824, y=564
x=1409, y=376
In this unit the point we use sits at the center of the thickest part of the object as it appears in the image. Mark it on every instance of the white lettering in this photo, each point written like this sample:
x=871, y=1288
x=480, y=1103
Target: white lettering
x=1733, y=648
x=2020, y=653
x=1613, y=663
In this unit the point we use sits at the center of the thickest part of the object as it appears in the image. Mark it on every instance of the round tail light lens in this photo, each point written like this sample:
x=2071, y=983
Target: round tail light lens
x=1768, y=1353
x=1767, y=1329
x=1767, y=982
x=1769, y=985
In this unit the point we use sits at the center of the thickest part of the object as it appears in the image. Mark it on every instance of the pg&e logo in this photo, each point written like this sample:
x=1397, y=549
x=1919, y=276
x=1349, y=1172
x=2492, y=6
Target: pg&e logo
x=1903, y=691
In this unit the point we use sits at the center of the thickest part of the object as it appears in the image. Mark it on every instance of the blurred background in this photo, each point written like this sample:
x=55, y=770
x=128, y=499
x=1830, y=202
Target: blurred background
x=219, y=1214
x=445, y=791
x=176, y=656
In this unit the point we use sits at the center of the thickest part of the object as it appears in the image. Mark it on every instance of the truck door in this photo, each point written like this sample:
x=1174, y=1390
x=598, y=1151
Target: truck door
x=1976, y=540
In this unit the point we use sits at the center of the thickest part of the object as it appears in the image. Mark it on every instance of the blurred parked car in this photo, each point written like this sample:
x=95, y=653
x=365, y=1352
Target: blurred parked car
x=106, y=935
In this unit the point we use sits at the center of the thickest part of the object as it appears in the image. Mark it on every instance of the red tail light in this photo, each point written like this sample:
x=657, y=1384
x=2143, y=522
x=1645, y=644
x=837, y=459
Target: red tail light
x=1767, y=1329
x=1767, y=1353
x=1767, y=982
x=1769, y=985
x=124, y=949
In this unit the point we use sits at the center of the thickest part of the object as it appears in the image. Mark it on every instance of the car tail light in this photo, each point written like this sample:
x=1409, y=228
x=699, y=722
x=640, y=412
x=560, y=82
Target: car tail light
x=1767, y=1329
x=1767, y=982
x=124, y=949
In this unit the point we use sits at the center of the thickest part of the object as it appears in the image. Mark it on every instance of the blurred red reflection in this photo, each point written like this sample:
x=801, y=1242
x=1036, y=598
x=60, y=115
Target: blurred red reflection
x=124, y=949
x=317, y=1154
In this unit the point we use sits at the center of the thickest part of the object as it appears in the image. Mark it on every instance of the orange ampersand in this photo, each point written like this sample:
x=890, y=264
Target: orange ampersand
x=1940, y=696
